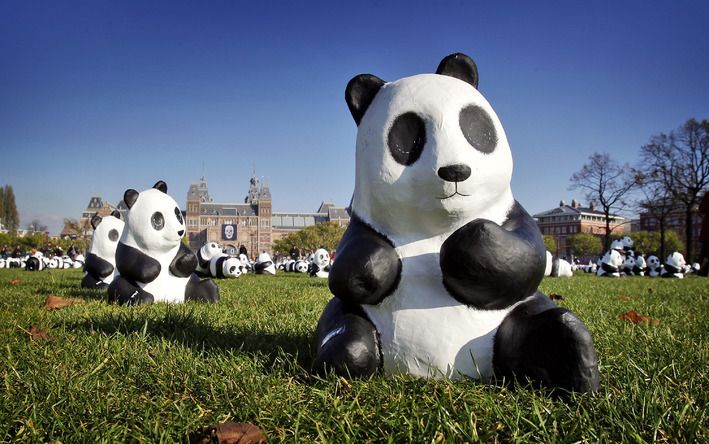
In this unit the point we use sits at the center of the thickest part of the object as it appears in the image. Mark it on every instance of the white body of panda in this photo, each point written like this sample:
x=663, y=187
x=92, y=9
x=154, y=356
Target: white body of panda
x=613, y=259
x=417, y=212
x=204, y=256
x=321, y=260
x=674, y=266
x=78, y=261
x=264, y=264
x=224, y=266
x=104, y=242
x=161, y=244
x=245, y=265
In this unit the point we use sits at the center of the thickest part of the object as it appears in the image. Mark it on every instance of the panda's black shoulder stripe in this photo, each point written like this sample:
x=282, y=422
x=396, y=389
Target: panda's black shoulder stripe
x=184, y=263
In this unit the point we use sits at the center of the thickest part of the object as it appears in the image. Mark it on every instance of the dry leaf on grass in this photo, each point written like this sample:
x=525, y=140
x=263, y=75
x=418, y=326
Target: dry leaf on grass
x=556, y=297
x=38, y=334
x=624, y=298
x=636, y=318
x=56, y=302
x=230, y=433
x=14, y=282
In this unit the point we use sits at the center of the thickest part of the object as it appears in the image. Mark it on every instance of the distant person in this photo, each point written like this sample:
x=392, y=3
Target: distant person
x=704, y=235
x=243, y=250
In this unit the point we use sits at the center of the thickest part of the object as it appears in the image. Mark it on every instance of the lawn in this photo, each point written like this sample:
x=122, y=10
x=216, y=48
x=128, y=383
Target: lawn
x=157, y=373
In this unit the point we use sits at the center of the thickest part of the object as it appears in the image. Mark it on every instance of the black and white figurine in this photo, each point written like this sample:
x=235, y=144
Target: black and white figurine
x=100, y=263
x=611, y=264
x=35, y=262
x=674, y=266
x=153, y=263
x=640, y=265
x=204, y=255
x=627, y=243
x=437, y=272
x=319, y=264
x=556, y=267
x=628, y=267
x=264, y=264
x=654, y=267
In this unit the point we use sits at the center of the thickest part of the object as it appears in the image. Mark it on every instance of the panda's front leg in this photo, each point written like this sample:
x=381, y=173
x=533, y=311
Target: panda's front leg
x=367, y=268
x=346, y=341
x=488, y=266
x=124, y=292
x=546, y=344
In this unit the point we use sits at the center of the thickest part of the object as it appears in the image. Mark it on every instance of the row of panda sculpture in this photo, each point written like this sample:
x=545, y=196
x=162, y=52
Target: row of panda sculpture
x=38, y=261
x=437, y=273
x=621, y=261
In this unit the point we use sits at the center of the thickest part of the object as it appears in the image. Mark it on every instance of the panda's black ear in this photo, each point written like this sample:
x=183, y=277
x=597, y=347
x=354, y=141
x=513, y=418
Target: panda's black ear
x=95, y=220
x=461, y=67
x=116, y=214
x=360, y=92
x=129, y=197
x=160, y=185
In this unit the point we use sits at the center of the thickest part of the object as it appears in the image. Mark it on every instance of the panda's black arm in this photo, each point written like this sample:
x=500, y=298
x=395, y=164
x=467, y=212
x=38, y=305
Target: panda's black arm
x=367, y=268
x=184, y=263
x=489, y=266
x=97, y=266
x=136, y=266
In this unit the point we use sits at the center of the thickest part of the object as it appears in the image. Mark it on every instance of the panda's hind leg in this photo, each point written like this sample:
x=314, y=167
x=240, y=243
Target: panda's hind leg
x=201, y=290
x=123, y=292
x=347, y=342
x=88, y=281
x=546, y=344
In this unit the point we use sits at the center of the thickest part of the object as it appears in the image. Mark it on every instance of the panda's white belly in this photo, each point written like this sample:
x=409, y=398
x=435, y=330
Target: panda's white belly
x=426, y=332
x=167, y=287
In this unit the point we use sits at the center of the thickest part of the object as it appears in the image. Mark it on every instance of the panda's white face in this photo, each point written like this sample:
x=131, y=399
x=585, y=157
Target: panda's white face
x=627, y=242
x=155, y=221
x=653, y=262
x=210, y=250
x=613, y=258
x=629, y=262
x=321, y=258
x=640, y=262
x=301, y=267
x=430, y=152
x=105, y=237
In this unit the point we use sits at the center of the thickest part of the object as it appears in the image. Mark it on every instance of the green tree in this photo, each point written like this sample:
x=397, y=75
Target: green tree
x=326, y=235
x=648, y=242
x=550, y=243
x=10, y=217
x=585, y=244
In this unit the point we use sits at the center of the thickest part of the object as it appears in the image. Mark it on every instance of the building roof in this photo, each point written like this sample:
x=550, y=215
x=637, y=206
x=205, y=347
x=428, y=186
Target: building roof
x=199, y=191
x=228, y=209
x=573, y=210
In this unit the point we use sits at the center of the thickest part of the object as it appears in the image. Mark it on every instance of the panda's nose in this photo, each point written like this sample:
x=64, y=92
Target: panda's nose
x=454, y=173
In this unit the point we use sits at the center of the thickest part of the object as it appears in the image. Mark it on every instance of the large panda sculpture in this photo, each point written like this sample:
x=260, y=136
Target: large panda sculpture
x=654, y=266
x=611, y=264
x=100, y=262
x=437, y=272
x=320, y=264
x=153, y=263
x=674, y=266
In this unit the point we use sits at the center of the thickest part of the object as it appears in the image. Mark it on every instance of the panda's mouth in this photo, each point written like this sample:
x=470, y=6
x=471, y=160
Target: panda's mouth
x=454, y=193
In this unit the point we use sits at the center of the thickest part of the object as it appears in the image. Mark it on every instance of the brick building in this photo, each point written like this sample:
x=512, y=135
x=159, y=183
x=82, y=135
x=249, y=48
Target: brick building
x=96, y=205
x=252, y=223
x=566, y=220
x=675, y=221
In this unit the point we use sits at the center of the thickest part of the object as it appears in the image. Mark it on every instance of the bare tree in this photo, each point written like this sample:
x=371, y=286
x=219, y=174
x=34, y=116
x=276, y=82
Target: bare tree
x=604, y=181
x=656, y=200
x=680, y=160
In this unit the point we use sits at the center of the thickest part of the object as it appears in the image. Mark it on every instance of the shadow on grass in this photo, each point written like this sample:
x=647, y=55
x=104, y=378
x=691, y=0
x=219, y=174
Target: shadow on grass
x=188, y=329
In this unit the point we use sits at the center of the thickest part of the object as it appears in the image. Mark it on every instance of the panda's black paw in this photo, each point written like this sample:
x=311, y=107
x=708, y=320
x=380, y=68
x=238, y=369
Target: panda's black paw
x=123, y=292
x=547, y=345
x=346, y=342
x=487, y=267
x=201, y=290
x=89, y=281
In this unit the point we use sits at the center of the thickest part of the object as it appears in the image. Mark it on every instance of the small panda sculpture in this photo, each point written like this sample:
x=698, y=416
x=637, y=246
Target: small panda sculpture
x=674, y=266
x=204, y=255
x=629, y=266
x=300, y=266
x=556, y=267
x=245, y=265
x=264, y=264
x=153, y=263
x=3, y=264
x=653, y=266
x=627, y=243
x=320, y=265
x=437, y=272
x=640, y=265
x=100, y=263
x=35, y=262
x=611, y=264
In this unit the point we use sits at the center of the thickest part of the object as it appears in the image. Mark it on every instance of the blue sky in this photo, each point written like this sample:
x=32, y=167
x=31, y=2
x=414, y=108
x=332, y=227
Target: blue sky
x=101, y=96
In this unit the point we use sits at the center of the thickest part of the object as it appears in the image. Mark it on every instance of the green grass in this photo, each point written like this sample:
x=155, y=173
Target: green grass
x=157, y=373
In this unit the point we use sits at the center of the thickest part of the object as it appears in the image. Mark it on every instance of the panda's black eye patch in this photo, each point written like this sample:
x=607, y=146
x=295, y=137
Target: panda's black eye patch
x=478, y=128
x=178, y=213
x=406, y=138
x=157, y=220
x=113, y=235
